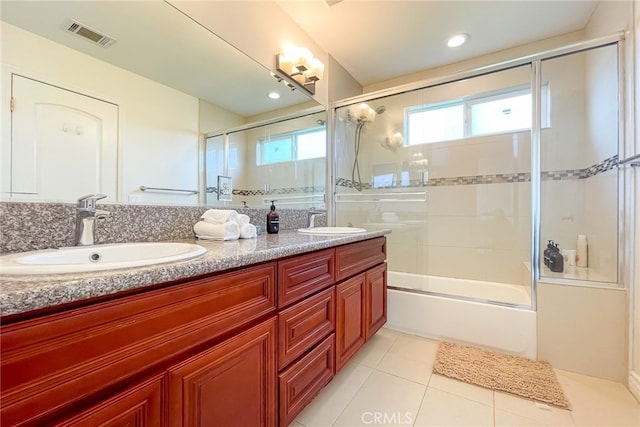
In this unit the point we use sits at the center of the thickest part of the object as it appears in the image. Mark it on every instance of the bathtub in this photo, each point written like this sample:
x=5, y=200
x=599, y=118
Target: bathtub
x=459, y=318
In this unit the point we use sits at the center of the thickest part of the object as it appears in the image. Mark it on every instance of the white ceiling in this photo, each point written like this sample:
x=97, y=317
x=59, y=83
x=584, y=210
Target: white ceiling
x=379, y=40
x=373, y=40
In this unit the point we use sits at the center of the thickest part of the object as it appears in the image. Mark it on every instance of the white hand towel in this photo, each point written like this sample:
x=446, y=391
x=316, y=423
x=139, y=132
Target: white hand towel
x=208, y=231
x=243, y=219
x=247, y=246
x=220, y=216
x=248, y=231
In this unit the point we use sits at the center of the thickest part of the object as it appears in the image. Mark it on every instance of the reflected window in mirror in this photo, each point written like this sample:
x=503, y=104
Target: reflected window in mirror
x=297, y=145
x=283, y=160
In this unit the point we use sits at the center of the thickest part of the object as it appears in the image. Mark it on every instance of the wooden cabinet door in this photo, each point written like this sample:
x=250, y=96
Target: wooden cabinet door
x=137, y=406
x=350, y=326
x=375, y=309
x=231, y=384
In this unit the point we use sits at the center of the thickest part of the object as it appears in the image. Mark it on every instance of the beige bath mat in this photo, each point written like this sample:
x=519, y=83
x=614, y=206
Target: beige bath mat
x=502, y=372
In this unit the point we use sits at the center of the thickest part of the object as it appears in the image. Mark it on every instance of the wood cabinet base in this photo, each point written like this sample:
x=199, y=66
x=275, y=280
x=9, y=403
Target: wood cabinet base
x=303, y=380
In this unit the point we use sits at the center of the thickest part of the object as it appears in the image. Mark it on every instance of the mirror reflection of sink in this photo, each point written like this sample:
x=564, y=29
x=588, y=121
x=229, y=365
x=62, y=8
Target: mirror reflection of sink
x=325, y=231
x=81, y=259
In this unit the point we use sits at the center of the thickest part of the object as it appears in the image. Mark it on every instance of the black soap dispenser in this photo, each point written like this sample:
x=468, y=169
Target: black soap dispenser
x=273, y=220
x=547, y=252
x=556, y=260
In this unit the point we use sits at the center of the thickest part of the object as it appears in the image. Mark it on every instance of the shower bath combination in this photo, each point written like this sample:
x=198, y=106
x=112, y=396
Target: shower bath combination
x=465, y=255
x=361, y=115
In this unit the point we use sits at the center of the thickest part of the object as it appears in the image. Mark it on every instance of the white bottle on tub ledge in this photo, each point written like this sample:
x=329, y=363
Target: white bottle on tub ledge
x=582, y=254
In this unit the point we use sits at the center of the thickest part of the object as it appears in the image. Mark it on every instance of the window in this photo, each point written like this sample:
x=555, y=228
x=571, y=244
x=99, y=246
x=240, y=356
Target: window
x=432, y=124
x=500, y=114
x=292, y=146
x=486, y=114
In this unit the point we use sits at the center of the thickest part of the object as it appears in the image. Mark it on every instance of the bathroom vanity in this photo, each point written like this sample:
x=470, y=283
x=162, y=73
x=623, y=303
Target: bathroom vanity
x=249, y=342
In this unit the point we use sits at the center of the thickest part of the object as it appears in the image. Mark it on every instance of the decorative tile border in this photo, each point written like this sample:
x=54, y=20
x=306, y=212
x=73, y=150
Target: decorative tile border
x=285, y=190
x=498, y=178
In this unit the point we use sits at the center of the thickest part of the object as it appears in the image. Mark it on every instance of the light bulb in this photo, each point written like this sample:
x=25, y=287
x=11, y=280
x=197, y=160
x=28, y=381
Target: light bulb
x=457, y=40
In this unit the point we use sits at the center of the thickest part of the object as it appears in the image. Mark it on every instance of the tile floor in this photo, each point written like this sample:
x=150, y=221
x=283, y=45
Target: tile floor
x=389, y=383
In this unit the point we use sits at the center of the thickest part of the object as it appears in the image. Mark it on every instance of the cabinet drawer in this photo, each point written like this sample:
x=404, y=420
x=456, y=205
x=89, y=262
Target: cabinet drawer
x=50, y=362
x=140, y=406
x=358, y=257
x=305, y=324
x=303, y=275
x=303, y=380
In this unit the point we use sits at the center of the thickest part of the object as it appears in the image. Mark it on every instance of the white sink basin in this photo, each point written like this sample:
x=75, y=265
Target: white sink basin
x=327, y=231
x=81, y=259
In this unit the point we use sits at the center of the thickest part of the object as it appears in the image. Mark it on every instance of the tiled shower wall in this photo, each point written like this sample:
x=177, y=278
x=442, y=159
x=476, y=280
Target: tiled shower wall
x=475, y=225
x=476, y=222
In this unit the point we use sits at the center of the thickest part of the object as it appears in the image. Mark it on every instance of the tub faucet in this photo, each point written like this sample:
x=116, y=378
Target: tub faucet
x=311, y=216
x=86, y=216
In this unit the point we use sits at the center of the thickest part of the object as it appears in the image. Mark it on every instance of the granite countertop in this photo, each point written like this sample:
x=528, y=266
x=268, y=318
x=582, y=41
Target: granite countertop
x=20, y=294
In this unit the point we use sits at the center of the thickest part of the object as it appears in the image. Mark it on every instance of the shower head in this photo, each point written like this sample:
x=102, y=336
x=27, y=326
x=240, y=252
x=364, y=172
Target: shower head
x=362, y=113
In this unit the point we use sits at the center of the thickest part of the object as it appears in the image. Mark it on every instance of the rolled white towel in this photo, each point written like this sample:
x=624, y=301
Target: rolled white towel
x=227, y=231
x=243, y=219
x=248, y=231
x=220, y=216
x=247, y=246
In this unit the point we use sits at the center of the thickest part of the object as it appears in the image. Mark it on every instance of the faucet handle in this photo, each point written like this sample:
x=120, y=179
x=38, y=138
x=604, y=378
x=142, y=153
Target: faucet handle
x=89, y=202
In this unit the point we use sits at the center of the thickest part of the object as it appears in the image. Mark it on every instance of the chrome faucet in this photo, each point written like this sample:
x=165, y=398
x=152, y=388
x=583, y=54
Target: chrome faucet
x=311, y=216
x=86, y=216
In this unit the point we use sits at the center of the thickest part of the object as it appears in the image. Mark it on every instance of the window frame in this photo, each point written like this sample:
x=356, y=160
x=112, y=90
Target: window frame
x=293, y=137
x=467, y=119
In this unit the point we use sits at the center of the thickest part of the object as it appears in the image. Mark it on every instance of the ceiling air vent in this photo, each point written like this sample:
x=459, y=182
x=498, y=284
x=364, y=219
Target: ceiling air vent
x=87, y=33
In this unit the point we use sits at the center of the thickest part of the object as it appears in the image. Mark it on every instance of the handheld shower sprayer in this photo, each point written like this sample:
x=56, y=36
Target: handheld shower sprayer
x=361, y=114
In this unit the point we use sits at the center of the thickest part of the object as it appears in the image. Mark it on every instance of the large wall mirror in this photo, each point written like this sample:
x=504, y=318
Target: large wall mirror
x=113, y=96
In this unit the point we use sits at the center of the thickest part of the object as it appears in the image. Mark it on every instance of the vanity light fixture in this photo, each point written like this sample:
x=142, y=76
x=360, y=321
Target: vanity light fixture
x=458, y=40
x=299, y=66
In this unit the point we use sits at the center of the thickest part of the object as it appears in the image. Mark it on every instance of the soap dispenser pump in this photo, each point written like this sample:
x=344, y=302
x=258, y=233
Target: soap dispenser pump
x=273, y=219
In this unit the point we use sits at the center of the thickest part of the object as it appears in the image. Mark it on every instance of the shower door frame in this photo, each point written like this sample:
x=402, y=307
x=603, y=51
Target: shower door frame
x=535, y=61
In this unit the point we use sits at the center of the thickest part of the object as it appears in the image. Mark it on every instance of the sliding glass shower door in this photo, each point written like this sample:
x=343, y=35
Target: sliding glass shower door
x=447, y=169
x=579, y=157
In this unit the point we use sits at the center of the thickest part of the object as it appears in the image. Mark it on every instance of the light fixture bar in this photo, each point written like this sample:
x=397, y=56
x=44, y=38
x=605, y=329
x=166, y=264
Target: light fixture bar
x=301, y=69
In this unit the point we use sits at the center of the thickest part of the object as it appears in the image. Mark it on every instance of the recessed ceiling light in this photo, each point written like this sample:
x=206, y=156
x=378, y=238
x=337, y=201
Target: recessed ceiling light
x=457, y=40
x=274, y=95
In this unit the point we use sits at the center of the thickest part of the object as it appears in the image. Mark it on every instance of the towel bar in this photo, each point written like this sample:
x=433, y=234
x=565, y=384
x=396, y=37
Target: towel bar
x=174, y=190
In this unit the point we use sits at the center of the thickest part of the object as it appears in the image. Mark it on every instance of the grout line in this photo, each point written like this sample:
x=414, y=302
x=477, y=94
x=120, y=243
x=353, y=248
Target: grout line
x=493, y=399
x=354, y=394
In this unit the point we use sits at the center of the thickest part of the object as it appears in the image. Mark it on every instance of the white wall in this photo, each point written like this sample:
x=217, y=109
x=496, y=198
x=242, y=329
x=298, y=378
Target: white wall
x=158, y=125
x=582, y=329
x=634, y=371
